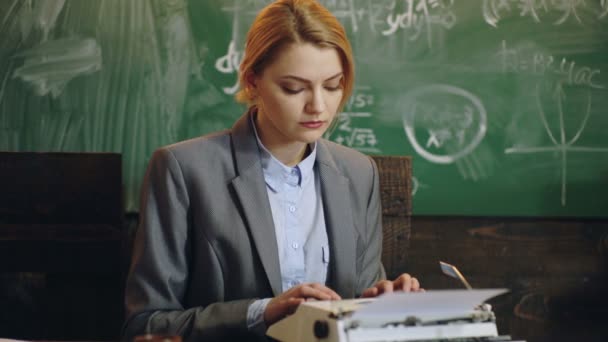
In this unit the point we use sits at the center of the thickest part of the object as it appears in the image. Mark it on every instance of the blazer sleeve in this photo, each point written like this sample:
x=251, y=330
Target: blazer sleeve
x=370, y=257
x=158, y=276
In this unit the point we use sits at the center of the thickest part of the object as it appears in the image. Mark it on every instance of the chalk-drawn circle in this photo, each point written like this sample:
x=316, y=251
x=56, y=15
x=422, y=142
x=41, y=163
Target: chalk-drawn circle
x=430, y=108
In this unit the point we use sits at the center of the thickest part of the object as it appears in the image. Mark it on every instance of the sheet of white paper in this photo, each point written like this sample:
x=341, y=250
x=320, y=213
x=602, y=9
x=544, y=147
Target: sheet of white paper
x=432, y=304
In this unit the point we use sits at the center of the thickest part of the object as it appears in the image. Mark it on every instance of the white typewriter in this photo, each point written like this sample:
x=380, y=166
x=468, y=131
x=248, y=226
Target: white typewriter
x=415, y=316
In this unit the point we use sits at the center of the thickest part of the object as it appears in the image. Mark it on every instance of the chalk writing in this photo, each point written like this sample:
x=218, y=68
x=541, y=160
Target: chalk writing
x=353, y=17
x=417, y=17
x=229, y=64
x=387, y=17
x=249, y=7
x=539, y=63
x=50, y=65
x=566, y=10
x=351, y=128
x=562, y=145
x=604, y=7
x=443, y=123
x=243, y=12
x=345, y=10
x=360, y=99
x=363, y=139
x=41, y=15
x=415, y=185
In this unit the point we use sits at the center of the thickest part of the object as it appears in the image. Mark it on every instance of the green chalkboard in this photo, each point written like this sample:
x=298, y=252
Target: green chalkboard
x=501, y=103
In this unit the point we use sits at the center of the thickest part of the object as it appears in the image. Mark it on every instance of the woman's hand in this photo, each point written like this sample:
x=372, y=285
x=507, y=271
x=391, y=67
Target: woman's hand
x=404, y=282
x=287, y=302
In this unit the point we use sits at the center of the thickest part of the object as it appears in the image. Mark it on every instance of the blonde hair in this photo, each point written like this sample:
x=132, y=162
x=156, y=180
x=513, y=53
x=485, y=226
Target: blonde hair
x=293, y=21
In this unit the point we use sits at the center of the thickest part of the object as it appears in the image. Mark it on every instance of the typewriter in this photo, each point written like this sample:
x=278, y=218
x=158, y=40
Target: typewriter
x=445, y=315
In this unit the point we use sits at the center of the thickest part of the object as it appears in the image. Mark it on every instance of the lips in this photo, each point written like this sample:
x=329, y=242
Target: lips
x=312, y=124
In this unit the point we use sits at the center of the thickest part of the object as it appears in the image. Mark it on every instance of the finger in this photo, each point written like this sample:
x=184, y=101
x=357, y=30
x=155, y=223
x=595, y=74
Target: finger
x=307, y=291
x=371, y=292
x=321, y=292
x=278, y=308
x=415, y=284
x=407, y=284
x=291, y=304
x=403, y=282
x=327, y=290
x=384, y=286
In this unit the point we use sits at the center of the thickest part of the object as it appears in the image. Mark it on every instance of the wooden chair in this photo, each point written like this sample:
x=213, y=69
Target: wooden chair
x=396, y=196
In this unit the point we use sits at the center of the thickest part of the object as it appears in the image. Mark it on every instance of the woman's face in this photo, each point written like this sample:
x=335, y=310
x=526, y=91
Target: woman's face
x=298, y=94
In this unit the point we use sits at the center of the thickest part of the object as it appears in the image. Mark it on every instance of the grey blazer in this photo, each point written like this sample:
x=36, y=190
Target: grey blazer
x=206, y=248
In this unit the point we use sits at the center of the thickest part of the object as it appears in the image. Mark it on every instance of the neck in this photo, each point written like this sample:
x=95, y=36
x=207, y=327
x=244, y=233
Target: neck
x=289, y=153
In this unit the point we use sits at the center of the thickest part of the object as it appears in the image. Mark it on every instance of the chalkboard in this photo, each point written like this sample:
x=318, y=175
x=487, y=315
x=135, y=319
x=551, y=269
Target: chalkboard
x=501, y=103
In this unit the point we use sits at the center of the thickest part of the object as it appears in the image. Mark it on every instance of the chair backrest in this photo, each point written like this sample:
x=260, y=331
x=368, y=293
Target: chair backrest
x=396, y=196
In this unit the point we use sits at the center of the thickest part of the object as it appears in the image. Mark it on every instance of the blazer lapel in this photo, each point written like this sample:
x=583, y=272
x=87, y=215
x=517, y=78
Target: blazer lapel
x=250, y=188
x=339, y=221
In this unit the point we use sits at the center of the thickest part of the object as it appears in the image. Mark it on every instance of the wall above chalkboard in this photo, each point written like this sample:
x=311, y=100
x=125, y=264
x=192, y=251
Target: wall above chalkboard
x=501, y=103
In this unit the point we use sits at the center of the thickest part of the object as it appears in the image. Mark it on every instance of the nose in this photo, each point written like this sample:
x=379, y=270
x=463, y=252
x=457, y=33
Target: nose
x=316, y=102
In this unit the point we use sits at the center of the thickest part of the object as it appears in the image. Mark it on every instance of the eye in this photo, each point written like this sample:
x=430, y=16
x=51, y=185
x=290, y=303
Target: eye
x=333, y=87
x=290, y=90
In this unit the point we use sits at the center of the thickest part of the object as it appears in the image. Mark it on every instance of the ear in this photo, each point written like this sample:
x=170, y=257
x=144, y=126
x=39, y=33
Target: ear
x=250, y=79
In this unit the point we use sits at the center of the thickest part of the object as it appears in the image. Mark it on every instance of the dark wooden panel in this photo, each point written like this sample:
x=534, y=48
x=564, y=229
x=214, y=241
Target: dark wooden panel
x=62, y=246
x=65, y=306
x=556, y=270
x=60, y=188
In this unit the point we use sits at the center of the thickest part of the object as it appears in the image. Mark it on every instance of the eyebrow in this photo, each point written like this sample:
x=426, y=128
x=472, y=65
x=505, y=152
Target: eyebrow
x=308, y=81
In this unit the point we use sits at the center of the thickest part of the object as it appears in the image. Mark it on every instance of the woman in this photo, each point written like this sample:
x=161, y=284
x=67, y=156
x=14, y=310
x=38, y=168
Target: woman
x=239, y=227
